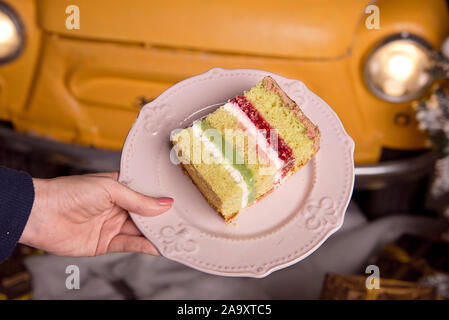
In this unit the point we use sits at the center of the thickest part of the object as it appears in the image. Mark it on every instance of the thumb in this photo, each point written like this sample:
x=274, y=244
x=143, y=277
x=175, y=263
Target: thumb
x=138, y=203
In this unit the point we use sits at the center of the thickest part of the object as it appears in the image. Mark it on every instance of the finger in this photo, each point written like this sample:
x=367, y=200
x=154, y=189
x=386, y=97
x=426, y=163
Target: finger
x=129, y=243
x=138, y=203
x=109, y=229
x=130, y=228
x=112, y=175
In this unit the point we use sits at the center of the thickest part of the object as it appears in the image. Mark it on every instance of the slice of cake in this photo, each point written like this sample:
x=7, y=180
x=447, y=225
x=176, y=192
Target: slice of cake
x=246, y=148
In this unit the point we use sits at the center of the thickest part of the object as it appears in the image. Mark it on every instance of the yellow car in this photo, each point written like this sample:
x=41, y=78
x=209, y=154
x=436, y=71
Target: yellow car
x=74, y=73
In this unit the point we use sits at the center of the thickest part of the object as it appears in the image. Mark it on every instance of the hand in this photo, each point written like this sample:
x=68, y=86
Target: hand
x=88, y=216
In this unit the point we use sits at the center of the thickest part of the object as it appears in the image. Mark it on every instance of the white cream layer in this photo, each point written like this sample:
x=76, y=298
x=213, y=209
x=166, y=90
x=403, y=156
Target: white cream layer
x=218, y=155
x=258, y=137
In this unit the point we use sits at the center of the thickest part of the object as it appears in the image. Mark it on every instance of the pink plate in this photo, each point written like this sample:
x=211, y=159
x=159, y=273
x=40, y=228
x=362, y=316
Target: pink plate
x=281, y=229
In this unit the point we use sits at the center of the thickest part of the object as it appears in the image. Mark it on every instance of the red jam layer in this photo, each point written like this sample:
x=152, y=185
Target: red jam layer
x=285, y=153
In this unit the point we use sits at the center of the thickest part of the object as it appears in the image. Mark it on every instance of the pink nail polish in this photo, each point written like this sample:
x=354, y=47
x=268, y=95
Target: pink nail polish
x=165, y=201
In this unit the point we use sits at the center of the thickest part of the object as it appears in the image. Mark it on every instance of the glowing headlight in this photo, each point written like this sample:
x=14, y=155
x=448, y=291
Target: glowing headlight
x=11, y=34
x=396, y=70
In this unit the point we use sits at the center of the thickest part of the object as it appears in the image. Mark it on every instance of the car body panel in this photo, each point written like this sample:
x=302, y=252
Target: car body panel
x=307, y=29
x=91, y=82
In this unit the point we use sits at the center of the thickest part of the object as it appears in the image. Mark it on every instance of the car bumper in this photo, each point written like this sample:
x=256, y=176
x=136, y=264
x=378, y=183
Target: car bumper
x=368, y=177
x=79, y=157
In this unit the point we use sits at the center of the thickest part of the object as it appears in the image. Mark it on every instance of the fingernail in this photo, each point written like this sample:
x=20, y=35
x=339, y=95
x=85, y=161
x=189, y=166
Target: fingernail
x=165, y=201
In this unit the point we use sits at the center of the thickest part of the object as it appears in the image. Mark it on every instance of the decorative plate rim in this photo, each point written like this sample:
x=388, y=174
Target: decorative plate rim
x=186, y=231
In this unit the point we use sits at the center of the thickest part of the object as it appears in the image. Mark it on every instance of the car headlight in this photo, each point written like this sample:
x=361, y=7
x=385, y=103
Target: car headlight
x=11, y=34
x=396, y=71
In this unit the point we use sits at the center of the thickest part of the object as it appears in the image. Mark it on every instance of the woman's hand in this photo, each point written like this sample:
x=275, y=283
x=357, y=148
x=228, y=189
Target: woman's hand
x=88, y=216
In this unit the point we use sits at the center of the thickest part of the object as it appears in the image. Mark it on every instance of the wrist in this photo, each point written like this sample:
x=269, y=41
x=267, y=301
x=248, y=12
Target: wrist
x=36, y=221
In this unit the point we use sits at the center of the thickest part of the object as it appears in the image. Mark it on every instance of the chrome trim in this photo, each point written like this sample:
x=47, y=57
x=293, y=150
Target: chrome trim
x=379, y=175
x=51, y=151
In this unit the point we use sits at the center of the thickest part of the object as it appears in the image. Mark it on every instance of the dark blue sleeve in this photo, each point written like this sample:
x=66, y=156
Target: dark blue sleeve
x=16, y=201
